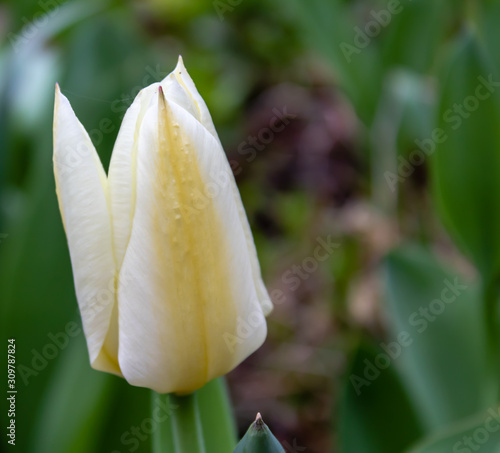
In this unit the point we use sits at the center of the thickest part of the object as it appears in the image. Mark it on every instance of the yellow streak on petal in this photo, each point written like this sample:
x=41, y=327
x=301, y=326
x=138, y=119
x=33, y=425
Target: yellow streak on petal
x=183, y=85
x=197, y=293
x=110, y=346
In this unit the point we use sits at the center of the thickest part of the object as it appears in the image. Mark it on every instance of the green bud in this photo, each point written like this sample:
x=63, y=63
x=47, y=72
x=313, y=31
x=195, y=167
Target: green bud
x=259, y=439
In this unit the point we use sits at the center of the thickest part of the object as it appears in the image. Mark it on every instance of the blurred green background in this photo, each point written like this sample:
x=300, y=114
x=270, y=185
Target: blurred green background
x=388, y=161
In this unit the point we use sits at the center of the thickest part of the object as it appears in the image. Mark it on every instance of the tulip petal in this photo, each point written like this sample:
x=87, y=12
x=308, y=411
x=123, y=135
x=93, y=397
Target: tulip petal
x=122, y=171
x=187, y=83
x=205, y=118
x=175, y=92
x=81, y=189
x=188, y=308
x=260, y=287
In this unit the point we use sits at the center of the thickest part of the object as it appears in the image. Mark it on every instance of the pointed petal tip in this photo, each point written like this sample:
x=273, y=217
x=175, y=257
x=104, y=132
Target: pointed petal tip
x=57, y=98
x=259, y=419
x=180, y=65
x=58, y=93
x=161, y=97
x=60, y=96
x=162, y=103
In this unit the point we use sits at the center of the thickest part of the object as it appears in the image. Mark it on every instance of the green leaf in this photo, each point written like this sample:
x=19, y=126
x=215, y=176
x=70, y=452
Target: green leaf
x=479, y=433
x=36, y=280
x=331, y=29
x=129, y=424
x=444, y=367
x=404, y=44
x=74, y=406
x=466, y=163
x=259, y=439
x=376, y=415
x=217, y=418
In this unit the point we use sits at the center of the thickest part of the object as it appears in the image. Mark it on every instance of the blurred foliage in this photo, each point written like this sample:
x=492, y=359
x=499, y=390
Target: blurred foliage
x=446, y=336
x=366, y=83
x=466, y=163
x=369, y=406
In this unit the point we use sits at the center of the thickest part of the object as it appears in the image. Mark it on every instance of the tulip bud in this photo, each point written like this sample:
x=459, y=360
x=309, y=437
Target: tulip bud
x=164, y=262
x=259, y=439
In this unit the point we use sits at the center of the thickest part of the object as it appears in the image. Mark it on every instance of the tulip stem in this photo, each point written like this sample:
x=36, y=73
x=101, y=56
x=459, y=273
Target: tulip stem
x=216, y=412
x=186, y=424
x=161, y=411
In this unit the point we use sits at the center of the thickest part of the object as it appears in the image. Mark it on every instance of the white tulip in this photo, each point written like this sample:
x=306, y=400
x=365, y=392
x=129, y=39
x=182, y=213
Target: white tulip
x=165, y=267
